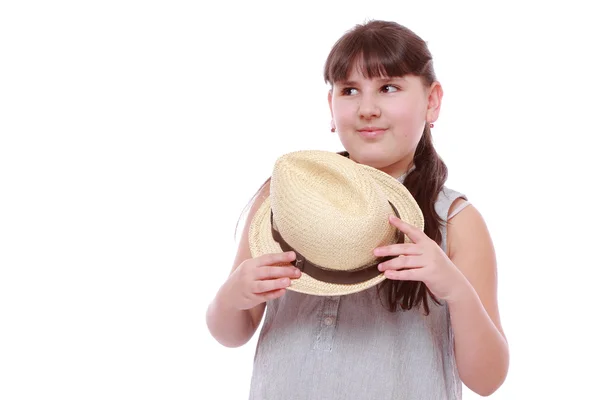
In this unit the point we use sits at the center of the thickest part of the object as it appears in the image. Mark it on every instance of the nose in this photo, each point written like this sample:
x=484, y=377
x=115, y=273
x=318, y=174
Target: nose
x=368, y=107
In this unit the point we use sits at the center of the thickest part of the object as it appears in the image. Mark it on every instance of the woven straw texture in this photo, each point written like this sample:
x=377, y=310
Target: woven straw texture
x=333, y=211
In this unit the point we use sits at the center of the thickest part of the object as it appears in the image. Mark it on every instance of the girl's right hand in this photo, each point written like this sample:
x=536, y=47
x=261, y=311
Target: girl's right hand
x=259, y=279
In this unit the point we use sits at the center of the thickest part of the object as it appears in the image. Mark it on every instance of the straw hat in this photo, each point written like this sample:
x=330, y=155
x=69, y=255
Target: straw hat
x=332, y=212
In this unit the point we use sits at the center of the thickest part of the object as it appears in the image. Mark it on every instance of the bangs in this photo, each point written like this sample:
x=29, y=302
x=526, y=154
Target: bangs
x=376, y=54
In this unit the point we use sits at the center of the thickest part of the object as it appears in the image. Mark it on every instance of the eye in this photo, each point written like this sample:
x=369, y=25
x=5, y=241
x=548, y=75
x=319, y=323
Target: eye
x=389, y=88
x=349, y=91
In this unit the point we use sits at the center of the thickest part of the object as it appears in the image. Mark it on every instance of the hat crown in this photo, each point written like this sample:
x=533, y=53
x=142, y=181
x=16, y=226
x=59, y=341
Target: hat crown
x=329, y=210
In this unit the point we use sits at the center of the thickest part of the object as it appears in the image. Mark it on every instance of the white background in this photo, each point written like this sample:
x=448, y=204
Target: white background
x=133, y=134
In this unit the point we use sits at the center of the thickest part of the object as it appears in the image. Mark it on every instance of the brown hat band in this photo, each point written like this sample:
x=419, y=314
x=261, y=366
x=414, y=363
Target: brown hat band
x=358, y=275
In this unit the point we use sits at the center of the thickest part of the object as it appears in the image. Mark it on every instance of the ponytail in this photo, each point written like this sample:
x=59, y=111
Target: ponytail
x=424, y=182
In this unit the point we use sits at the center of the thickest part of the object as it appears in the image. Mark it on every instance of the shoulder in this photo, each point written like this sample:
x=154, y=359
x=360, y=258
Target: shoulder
x=450, y=202
x=464, y=223
x=254, y=204
x=469, y=243
x=257, y=200
x=261, y=195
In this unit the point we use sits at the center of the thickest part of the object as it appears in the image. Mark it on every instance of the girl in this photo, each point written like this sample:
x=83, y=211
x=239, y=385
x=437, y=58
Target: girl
x=434, y=323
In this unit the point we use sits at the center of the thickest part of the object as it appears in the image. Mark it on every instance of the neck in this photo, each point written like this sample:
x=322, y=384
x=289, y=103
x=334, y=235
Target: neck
x=398, y=169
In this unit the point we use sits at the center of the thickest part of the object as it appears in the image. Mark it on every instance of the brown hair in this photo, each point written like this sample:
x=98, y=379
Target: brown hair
x=381, y=48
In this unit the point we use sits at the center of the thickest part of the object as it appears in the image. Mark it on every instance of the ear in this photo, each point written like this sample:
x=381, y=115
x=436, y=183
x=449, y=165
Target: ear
x=329, y=98
x=434, y=101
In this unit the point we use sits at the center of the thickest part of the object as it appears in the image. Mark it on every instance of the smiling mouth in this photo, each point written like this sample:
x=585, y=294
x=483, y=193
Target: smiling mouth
x=371, y=133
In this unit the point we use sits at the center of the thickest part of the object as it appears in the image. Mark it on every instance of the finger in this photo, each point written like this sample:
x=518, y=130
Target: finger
x=270, y=285
x=414, y=233
x=272, y=294
x=404, y=275
x=398, y=249
x=269, y=272
x=401, y=262
x=276, y=258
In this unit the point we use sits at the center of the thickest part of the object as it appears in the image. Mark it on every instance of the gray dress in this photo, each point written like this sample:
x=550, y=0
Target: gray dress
x=352, y=348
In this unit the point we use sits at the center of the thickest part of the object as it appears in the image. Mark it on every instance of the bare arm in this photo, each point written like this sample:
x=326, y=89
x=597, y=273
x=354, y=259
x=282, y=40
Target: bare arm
x=481, y=348
x=465, y=278
x=238, y=307
x=229, y=326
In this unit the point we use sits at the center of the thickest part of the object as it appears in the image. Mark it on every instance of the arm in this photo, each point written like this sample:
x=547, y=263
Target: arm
x=481, y=348
x=465, y=278
x=237, y=309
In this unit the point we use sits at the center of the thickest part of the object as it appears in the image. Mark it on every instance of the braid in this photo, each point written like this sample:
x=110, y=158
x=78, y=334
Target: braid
x=425, y=183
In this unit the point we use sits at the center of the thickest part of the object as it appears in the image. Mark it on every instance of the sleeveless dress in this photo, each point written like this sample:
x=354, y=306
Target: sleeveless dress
x=352, y=348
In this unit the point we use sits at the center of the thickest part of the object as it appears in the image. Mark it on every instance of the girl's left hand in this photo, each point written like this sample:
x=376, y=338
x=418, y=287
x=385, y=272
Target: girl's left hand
x=422, y=260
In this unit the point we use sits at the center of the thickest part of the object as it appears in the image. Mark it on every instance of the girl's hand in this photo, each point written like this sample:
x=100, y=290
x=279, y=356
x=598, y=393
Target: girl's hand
x=423, y=260
x=259, y=279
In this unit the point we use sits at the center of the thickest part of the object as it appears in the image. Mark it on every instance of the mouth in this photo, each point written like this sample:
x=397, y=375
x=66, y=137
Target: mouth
x=371, y=132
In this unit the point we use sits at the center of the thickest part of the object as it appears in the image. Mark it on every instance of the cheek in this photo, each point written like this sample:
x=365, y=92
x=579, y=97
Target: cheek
x=409, y=116
x=344, y=113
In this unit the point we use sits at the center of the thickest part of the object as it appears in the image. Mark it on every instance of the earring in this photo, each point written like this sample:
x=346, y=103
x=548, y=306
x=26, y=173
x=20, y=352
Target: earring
x=332, y=126
x=431, y=125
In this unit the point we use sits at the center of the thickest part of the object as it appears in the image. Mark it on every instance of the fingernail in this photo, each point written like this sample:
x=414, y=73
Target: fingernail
x=380, y=267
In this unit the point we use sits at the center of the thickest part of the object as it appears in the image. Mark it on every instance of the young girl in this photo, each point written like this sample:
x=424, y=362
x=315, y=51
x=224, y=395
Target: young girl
x=434, y=323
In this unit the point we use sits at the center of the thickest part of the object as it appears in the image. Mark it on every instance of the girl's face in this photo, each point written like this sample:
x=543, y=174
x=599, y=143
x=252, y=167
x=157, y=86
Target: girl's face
x=380, y=121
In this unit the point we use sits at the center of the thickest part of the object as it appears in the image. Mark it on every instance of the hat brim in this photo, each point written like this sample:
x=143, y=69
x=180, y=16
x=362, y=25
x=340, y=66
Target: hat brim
x=261, y=241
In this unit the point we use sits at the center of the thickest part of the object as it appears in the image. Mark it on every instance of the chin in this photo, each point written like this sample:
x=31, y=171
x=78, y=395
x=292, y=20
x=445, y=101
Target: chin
x=372, y=157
